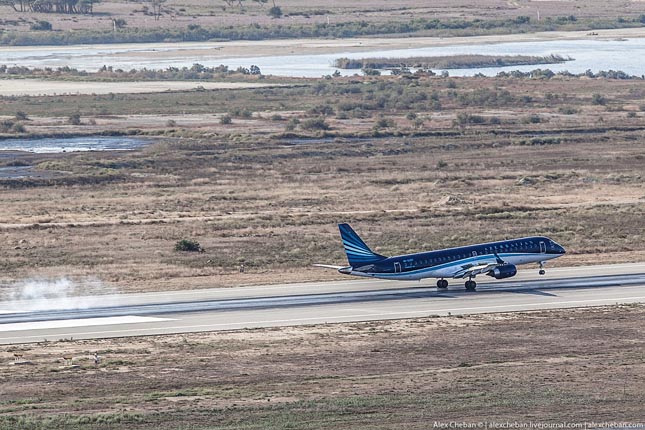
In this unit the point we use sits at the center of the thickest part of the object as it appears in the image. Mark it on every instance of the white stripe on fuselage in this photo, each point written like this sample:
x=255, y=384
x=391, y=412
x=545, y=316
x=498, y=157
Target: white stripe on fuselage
x=447, y=270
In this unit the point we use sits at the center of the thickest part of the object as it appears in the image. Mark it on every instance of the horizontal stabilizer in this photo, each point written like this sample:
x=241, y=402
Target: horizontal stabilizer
x=329, y=266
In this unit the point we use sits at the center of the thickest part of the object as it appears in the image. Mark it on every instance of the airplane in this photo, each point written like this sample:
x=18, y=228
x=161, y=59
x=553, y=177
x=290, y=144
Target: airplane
x=496, y=259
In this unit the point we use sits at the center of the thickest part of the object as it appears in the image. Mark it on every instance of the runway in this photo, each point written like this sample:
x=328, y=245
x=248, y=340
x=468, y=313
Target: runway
x=349, y=300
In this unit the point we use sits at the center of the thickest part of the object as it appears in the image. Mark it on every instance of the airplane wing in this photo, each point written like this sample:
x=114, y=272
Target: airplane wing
x=329, y=266
x=471, y=270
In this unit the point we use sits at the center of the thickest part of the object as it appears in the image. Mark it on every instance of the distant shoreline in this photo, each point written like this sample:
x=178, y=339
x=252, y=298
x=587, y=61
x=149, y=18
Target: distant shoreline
x=273, y=47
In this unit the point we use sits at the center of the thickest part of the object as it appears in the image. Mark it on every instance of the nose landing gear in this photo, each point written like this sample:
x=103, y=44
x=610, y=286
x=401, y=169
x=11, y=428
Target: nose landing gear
x=542, y=271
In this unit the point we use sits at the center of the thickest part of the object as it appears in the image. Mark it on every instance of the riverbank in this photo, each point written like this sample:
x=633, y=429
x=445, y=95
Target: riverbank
x=279, y=47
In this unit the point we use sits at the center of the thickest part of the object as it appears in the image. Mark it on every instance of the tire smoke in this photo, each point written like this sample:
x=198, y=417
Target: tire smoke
x=54, y=294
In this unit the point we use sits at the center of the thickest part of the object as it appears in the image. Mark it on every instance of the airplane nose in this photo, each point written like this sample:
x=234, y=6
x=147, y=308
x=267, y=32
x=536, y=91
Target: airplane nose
x=561, y=250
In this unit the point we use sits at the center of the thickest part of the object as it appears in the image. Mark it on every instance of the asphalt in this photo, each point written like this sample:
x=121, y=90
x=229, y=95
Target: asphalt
x=316, y=303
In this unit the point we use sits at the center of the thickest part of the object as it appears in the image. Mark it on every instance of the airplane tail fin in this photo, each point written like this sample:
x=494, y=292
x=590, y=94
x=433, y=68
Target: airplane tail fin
x=358, y=253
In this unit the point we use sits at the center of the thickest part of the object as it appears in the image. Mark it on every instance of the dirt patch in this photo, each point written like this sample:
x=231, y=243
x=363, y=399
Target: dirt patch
x=34, y=87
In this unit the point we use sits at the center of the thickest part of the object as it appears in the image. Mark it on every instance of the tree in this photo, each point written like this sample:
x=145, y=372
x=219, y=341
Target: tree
x=275, y=12
x=157, y=8
x=11, y=4
x=87, y=6
x=240, y=3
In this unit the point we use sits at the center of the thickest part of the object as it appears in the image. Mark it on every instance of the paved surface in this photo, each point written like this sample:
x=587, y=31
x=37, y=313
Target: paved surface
x=314, y=303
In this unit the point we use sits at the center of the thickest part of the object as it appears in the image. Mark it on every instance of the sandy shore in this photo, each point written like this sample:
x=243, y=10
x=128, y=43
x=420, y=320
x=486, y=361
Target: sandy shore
x=242, y=48
x=36, y=87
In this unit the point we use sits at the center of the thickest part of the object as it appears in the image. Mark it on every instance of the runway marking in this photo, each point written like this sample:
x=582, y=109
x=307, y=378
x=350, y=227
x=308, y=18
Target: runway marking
x=162, y=330
x=83, y=322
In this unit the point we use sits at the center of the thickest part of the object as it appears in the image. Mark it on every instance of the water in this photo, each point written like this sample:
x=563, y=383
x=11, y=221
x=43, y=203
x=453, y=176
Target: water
x=627, y=55
x=72, y=144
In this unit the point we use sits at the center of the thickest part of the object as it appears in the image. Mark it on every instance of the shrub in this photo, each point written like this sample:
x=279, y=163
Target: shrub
x=466, y=118
x=187, y=245
x=322, y=110
x=226, y=119
x=275, y=12
x=74, y=119
x=598, y=99
x=384, y=123
x=171, y=123
x=19, y=128
x=119, y=23
x=533, y=119
x=41, y=26
x=21, y=116
x=6, y=125
x=567, y=110
x=315, y=124
x=371, y=72
x=291, y=125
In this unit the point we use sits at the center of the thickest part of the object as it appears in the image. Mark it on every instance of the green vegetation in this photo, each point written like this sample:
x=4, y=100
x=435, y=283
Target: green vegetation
x=41, y=26
x=108, y=73
x=425, y=26
x=51, y=6
x=275, y=12
x=188, y=245
x=74, y=119
x=448, y=61
x=10, y=126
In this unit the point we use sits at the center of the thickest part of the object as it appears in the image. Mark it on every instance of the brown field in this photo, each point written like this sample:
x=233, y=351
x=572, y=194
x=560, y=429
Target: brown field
x=412, y=163
x=181, y=13
x=479, y=159
x=546, y=367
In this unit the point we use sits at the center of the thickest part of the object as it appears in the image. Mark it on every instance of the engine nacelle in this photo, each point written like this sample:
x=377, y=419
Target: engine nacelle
x=505, y=271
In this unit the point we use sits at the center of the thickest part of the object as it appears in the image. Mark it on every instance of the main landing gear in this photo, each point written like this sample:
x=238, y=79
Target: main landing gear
x=471, y=285
x=542, y=271
x=442, y=284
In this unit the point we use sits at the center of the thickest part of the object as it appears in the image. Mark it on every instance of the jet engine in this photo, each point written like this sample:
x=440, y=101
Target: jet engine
x=505, y=271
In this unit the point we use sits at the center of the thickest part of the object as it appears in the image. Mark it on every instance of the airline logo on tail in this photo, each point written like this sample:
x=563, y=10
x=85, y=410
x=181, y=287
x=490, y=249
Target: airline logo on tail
x=358, y=253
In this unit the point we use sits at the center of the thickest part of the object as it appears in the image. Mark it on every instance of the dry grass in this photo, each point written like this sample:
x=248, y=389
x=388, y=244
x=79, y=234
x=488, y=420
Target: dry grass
x=247, y=194
x=548, y=366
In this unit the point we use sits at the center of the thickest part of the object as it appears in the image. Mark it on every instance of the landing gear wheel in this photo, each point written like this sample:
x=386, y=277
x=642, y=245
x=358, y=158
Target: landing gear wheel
x=542, y=272
x=471, y=285
x=442, y=283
